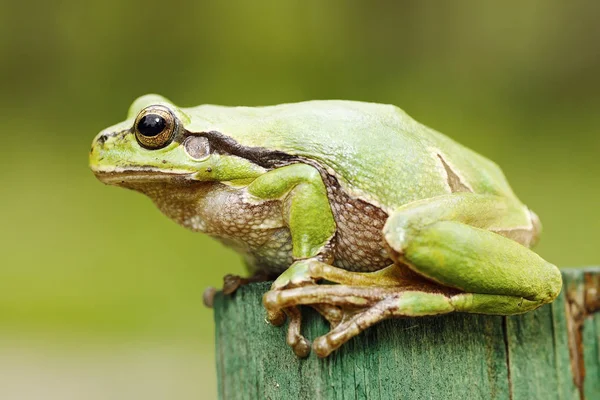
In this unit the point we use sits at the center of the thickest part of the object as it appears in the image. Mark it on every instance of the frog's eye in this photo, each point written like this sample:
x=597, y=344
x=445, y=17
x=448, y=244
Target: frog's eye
x=154, y=127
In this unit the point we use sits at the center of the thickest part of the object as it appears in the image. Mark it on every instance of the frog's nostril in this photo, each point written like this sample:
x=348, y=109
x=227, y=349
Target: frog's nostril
x=102, y=140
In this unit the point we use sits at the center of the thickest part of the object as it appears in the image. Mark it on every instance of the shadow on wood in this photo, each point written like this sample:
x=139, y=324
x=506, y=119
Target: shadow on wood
x=550, y=353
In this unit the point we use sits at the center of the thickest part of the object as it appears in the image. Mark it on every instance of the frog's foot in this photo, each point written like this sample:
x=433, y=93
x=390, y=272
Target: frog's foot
x=302, y=277
x=360, y=307
x=364, y=306
x=306, y=273
x=400, y=304
x=231, y=283
x=297, y=276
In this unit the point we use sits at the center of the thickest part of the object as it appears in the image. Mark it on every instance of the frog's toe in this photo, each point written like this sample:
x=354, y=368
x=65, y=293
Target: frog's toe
x=271, y=301
x=301, y=347
x=231, y=283
x=275, y=313
x=332, y=314
x=299, y=344
x=276, y=317
x=351, y=326
x=321, y=347
x=208, y=297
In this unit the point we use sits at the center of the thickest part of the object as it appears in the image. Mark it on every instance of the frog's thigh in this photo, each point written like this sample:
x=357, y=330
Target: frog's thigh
x=308, y=215
x=492, y=269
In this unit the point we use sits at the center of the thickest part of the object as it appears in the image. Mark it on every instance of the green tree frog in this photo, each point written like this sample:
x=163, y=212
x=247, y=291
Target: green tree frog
x=358, y=210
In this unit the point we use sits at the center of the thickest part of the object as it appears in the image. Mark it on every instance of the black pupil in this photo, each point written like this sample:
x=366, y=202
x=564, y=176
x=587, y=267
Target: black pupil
x=151, y=125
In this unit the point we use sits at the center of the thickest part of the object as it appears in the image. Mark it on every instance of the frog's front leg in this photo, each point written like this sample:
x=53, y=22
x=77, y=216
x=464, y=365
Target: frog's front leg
x=308, y=215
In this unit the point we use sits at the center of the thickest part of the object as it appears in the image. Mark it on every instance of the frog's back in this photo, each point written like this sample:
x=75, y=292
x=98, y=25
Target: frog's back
x=377, y=152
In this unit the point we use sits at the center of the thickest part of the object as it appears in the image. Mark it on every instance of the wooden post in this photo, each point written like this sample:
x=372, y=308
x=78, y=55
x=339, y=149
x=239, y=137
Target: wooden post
x=550, y=353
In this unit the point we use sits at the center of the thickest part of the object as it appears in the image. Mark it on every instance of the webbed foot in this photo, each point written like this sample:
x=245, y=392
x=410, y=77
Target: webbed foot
x=362, y=307
x=340, y=305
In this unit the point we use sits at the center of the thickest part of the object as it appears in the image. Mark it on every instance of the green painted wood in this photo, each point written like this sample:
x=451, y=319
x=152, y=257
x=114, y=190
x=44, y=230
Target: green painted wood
x=456, y=356
x=591, y=334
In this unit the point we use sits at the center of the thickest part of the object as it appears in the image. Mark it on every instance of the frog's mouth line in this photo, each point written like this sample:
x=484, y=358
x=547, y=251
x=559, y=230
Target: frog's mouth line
x=125, y=177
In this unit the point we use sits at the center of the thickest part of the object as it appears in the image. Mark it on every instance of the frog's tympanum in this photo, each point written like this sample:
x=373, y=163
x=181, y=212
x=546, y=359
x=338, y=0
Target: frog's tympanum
x=359, y=211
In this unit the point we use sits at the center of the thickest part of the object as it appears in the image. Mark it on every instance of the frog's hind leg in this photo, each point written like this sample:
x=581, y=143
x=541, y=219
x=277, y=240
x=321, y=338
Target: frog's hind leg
x=463, y=252
x=364, y=306
x=451, y=240
x=399, y=304
x=415, y=304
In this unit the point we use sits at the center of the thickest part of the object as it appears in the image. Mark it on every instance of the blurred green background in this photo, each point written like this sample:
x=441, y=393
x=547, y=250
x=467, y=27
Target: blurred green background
x=101, y=295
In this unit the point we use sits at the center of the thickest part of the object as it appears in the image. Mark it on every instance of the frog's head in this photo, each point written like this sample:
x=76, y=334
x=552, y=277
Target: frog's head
x=154, y=145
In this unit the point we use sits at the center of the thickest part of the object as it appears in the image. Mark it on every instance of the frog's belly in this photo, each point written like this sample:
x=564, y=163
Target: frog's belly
x=258, y=230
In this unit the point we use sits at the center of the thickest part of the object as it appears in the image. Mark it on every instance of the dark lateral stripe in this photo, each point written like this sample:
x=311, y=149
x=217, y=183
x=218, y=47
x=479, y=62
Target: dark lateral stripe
x=259, y=155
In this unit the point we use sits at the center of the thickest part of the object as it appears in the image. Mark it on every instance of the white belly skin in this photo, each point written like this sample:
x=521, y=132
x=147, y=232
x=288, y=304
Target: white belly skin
x=257, y=229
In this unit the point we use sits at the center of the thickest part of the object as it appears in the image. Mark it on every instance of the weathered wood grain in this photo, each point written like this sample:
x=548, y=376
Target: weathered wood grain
x=551, y=353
